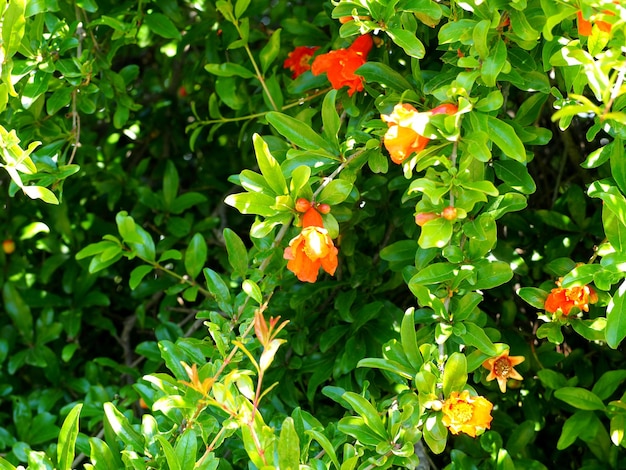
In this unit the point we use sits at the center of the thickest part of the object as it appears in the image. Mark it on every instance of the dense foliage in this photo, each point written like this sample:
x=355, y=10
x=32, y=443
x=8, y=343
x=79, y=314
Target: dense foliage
x=291, y=234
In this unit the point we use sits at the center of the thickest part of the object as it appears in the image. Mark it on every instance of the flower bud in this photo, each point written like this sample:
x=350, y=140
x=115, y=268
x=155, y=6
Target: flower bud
x=423, y=217
x=8, y=246
x=323, y=208
x=302, y=205
x=449, y=213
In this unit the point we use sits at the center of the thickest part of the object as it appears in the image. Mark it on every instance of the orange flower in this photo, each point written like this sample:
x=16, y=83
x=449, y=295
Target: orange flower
x=565, y=299
x=501, y=368
x=462, y=413
x=298, y=60
x=309, y=251
x=341, y=64
x=405, y=123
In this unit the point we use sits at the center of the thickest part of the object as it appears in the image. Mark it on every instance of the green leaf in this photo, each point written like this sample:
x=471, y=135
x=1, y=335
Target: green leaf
x=217, y=286
x=612, y=197
x=580, y=398
x=288, y=446
x=505, y=203
x=608, y=383
x=615, y=317
x=335, y=192
x=67, y=438
x=480, y=35
x=252, y=203
x=436, y=273
x=237, y=252
x=408, y=339
x=330, y=118
x=377, y=72
x=252, y=290
x=59, y=99
x=13, y=25
x=435, y=434
x=325, y=444
x=240, y=7
x=534, y=296
x=515, y=175
x=504, y=136
x=270, y=51
x=161, y=25
x=476, y=336
x=494, y=64
x=170, y=184
x=269, y=166
x=187, y=449
x=137, y=275
x=168, y=450
x=299, y=133
x=454, y=373
x=39, y=192
x=618, y=164
x=552, y=331
x=196, y=255
x=229, y=69
x=490, y=274
x=408, y=41
x=614, y=229
x=435, y=233
x=369, y=414
x=387, y=364
x=18, y=311
x=122, y=427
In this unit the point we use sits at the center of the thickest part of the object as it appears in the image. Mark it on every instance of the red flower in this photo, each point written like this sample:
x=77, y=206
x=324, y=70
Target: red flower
x=298, y=60
x=405, y=123
x=565, y=299
x=341, y=64
x=308, y=252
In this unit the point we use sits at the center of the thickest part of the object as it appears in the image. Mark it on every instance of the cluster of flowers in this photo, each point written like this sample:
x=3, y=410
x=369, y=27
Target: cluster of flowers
x=313, y=248
x=564, y=299
x=339, y=65
x=472, y=414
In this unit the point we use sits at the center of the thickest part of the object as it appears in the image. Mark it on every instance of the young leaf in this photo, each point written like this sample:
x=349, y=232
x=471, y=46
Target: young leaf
x=269, y=166
x=288, y=446
x=67, y=438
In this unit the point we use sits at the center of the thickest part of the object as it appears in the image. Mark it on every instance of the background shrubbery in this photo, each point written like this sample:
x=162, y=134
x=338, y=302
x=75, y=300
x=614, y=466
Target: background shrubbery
x=134, y=296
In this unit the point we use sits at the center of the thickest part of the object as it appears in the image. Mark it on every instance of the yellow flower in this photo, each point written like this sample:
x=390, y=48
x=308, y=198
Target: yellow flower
x=462, y=413
x=501, y=368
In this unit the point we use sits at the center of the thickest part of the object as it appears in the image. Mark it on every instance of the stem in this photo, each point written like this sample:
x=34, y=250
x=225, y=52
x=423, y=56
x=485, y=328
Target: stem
x=338, y=170
x=247, y=117
x=616, y=89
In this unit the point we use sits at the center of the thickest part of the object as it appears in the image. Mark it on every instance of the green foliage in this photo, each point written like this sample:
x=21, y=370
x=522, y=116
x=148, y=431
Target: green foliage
x=175, y=167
